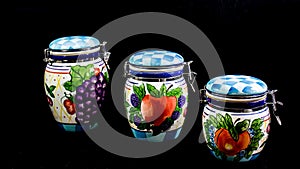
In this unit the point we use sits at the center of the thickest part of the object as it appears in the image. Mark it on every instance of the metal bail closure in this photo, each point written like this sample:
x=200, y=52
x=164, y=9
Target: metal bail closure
x=191, y=79
x=203, y=97
x=106, y=54
x=273, y=103
x=125, y=69
x=46, y=54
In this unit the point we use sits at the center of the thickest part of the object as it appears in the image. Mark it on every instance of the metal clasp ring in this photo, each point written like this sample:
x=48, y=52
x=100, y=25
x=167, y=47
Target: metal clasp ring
x=203, y=97
x=191, y=79
x=273, y=103
x=125, y=68
x=106, y=54
x=46, y=54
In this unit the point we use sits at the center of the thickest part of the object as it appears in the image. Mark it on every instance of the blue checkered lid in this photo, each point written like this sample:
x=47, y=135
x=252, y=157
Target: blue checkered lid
x=155, y=58
x=71, y=43
x=239, y=85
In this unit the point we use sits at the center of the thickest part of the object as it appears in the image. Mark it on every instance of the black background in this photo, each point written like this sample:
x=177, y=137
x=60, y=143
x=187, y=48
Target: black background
x=253, y=37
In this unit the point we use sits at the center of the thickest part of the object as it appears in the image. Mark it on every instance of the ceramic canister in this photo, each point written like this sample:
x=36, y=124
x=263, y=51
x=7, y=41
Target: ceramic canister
x=75, y=80
x=155, y=94
x=236, y=117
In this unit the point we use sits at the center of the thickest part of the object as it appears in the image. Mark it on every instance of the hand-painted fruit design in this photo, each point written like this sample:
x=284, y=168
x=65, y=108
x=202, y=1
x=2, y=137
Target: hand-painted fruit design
x=228, y=145
x=50, y=95
x=83, y=93
x=156, y=109
x=238, y=139
x=69, y=103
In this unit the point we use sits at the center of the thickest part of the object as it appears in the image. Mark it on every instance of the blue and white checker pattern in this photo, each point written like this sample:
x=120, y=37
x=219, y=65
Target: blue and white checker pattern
x=236, y=85
x=74, y=43
x=155, y=58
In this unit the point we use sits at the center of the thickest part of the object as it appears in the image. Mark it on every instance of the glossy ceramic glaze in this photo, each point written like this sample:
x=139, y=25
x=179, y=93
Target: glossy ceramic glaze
x=155, y=95
x=236, y=119
x=75, y=80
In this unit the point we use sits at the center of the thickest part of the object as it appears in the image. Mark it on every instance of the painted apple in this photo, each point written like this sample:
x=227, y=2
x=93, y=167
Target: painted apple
x=156, y=109
x=228, y=145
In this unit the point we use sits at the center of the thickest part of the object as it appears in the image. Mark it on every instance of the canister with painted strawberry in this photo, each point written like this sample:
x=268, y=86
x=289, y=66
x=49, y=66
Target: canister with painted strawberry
x=156, y=94
x=75, y=80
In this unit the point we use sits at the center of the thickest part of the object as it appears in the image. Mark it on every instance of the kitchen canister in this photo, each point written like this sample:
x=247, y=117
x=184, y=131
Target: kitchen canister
x=156, y=94
x=75, y=80
x=236, y=117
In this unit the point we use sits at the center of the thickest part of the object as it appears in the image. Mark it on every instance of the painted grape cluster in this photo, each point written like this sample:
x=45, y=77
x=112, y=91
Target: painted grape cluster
x=89, y=84
x=89, y=96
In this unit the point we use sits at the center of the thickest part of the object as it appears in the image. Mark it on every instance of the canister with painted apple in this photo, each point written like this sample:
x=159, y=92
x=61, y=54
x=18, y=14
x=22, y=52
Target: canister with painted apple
x=156, y=94
x=236, y=117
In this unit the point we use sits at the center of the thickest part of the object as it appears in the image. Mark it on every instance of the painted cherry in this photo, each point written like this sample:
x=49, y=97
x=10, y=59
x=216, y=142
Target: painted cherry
x=69, y=103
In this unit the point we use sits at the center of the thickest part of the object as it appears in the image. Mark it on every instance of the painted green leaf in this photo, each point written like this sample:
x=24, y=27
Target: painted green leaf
x=242, y=126
x=228, y=121
x=78, y=75
x=257, y=123
x=210, y=145
x=68, y=86
x=136, y=90
x=220, y=124
x=217, y=152
x=220, y=120
x=106, y=76
x=248, y=154
x=126, y=104
x=133, y=110
x=234, y=134
x=143, y=126
x=139, y=91
x=214, y=121
x=258, y=135
x=206, y=128
x=50, y=90
x=131, y=118
x=163, y=89
x=139, y=115
x=71, y=98
x=153, y=91
x=253, y=146
x=178, y=109
x=175, y=92
x=143, y=90
x=208, y=121
x=81, y=73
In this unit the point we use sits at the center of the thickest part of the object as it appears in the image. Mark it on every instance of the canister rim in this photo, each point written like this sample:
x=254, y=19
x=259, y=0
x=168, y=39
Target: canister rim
x=235, y=97
x=74, y=43
x=155, y=67
x=153, y=58
x=236, y=86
